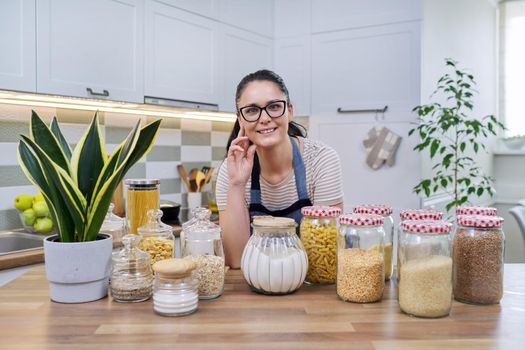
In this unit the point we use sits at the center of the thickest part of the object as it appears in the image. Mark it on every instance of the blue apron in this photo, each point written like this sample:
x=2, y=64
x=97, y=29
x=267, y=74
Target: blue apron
x=294, y=210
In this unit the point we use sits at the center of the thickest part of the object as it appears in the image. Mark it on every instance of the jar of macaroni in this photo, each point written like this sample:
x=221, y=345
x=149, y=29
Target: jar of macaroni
x=157, y=238
x=141, y=196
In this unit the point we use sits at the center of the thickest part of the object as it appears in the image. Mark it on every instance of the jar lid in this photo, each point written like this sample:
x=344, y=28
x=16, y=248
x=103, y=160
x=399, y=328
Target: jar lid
x=112, y=222
x=142, y=183
x=321, y=210
x=361, y=219
x=420, y=214
x=474, y=210
x=201, y=222
x=484, y=221
x=174, y=268
x=426, y=226
x=273, y=221
x=155, y=226
x=378, y=209
x=131, y=256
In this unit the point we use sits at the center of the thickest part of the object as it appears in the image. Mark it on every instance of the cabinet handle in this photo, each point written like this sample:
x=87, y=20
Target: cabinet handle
x=104, y=93
x=377, y=110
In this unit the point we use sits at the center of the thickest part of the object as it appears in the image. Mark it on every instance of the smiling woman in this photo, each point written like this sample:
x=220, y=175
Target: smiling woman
x=271, y=167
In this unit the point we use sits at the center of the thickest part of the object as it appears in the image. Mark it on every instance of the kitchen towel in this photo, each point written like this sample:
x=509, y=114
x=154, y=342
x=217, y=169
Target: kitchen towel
x=381, y=145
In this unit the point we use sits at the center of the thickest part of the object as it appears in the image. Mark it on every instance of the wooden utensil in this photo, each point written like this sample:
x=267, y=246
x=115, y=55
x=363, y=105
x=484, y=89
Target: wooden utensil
x=209, y=174
x=193, y=180
x=182, y=174
x=200, y=179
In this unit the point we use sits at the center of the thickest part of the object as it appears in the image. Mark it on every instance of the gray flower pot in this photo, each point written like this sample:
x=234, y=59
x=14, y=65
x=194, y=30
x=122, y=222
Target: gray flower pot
x=78, y=272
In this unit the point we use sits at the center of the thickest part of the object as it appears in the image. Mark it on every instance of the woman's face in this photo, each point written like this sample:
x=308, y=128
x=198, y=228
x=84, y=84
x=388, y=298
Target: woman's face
x=267, y=131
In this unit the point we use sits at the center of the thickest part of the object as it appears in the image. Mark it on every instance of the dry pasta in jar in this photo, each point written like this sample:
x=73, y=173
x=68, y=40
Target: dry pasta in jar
x=157, y=238
x=319, y=236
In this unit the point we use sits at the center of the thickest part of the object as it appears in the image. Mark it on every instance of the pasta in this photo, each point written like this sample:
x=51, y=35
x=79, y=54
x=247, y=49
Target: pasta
x=139, y=201
x=320, y=243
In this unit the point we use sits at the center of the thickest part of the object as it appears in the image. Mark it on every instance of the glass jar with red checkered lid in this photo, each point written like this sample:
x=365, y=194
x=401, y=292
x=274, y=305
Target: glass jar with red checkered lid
x=479, y=250
x=388, y=226
x=425, y=271
x=319, y=236
x=360, y=259
x=475, y=210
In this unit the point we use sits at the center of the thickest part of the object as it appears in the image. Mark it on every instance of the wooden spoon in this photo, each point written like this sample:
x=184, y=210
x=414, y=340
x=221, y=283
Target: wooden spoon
x=193, y=180
x=182, y=173
x=200, y=180
x=209, y=174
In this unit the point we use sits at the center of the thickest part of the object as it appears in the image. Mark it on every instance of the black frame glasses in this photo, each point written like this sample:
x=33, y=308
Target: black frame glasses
x=261, y=109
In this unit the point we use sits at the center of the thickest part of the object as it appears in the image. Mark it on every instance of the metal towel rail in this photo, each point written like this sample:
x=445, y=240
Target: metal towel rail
x=377, y=110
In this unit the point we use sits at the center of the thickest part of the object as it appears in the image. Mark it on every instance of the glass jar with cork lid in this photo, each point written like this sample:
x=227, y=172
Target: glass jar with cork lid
x=141, y=196
x=157, y=238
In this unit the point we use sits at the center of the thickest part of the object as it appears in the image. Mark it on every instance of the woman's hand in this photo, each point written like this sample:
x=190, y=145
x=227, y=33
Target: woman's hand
x=240, y=159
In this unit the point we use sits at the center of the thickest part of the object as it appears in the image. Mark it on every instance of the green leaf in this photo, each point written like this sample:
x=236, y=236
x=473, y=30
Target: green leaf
x=476, y=147
x=479, y=191
x=444, y=183
x=433, y=148
x=55, y=129
x=462, y=146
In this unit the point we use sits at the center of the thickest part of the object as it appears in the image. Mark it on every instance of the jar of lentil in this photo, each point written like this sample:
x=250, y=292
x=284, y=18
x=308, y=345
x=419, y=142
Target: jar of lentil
x=175, y=290
x=360, y=258
x=425, y=273
x=388, y=225
x=479, y=244
x=274, y=261
x=156, y=237
x=131, y=274
x=202, y=243
x=141, y=196
x=474, y=210
x=319, y=236
x=413, y=214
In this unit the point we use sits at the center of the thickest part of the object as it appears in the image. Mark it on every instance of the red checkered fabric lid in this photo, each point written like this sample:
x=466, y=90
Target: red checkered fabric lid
x=426, y=226
x=476, y=211
x=479, y=220
x=361, y=219
x=320, y=210
x=378, y=209
x=420, y=214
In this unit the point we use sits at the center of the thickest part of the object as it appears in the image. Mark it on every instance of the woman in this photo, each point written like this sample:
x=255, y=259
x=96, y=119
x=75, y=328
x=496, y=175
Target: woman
x=271, y=168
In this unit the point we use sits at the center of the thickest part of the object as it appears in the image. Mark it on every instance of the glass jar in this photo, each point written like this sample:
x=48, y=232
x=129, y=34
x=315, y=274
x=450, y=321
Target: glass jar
x=131, y=274
x=425, y=273
x=479, y=247
x=141, y=196
x=274, y=260
x=360, y=258
x=388, y=226
x=113, y=225
x=157, y=237
x=474, y=210
x=319, y=237
x=175, y=291
x=202, y=243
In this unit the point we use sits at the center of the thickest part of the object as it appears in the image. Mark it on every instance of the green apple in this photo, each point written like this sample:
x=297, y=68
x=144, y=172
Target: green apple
x=29, y=217
x=43, y=225
x=41, y=209
x=38, y=197
x=23, y=202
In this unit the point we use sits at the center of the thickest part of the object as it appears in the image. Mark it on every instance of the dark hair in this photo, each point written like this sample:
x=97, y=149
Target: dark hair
x=294, y=129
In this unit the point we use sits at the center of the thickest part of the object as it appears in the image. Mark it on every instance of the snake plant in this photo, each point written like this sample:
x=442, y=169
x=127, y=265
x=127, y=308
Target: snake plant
x=78, y=184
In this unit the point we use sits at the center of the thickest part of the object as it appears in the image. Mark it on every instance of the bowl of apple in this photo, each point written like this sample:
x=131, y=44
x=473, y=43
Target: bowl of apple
x=34, y=213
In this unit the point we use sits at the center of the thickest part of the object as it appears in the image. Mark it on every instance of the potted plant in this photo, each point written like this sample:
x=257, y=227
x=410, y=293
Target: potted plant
x=77, y=187
x=451, y=136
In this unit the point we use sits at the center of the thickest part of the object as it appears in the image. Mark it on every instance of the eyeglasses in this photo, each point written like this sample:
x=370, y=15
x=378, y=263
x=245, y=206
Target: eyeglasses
x=274, y=109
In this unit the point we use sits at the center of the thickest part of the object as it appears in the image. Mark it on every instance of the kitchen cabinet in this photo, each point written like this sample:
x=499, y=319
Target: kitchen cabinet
x=242, y=52
x=91, y=48
x=206, y=8
x=181, y=54
x=252, y=15
x=17, y=42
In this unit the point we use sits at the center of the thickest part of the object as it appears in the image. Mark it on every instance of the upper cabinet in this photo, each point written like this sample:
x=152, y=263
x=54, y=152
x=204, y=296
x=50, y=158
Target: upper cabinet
x=91, y=48
x=181, y=54
x=252, y=15
x=206, y=8
x=17, y=42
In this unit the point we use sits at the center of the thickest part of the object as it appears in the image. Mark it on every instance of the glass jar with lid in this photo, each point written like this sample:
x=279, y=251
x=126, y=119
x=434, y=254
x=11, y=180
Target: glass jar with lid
x=475, y=210
x=141, y=196
x=319, y=237
x=388, y=225
x=157, y=237
x=202, y=244
x=479, y=247
x=360, y=258
x=425, y=272
x=113, y=225
x=131, y=274
x=274, y=260
x=175, y=290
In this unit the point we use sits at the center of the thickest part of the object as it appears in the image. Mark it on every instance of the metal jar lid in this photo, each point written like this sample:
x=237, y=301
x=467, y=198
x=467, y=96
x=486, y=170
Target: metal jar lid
x=142, y=183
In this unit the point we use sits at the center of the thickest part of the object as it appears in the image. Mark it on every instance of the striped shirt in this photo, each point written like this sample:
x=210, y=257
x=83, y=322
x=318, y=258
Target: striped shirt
x=323, y=178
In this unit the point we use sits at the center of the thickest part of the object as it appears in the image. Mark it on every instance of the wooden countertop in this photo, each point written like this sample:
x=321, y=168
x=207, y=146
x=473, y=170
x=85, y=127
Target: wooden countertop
x=312, y=318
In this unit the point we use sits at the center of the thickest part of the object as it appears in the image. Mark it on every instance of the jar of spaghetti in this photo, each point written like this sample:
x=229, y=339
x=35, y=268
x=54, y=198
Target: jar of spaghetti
x=141, y=196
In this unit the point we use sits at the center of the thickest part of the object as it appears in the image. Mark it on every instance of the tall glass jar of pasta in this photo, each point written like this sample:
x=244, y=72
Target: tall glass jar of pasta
x=141, y=196
x=388, y=226
x=319, y=236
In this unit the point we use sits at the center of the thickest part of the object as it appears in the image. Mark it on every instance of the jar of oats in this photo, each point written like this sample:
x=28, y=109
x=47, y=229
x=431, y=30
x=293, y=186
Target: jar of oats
x=319, y=236
x=156, y=237
x=388, y=225
x=479, y=244
x=425, y=272
x=360, y=258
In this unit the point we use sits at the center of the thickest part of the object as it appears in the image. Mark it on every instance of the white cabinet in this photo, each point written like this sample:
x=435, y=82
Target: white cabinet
x=91, y=48
x=241, y=53
x=292, y=63
x=252, y=15
x=181, y=54
x=207, y=8
x=17, y=42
